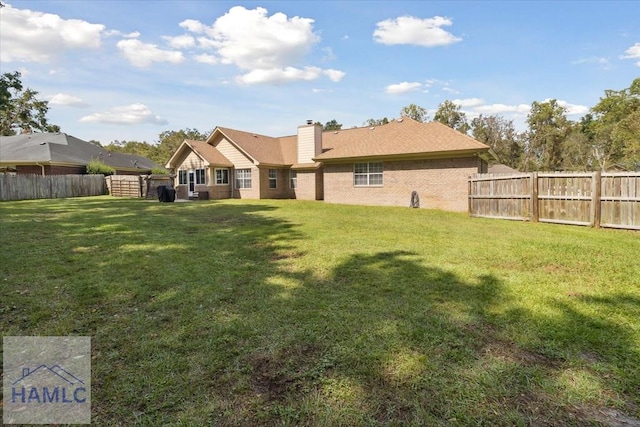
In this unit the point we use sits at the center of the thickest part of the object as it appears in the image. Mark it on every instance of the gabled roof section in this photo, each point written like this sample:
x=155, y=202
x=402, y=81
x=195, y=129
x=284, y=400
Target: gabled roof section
x=404, y=137
x=209, y=153
x=205, y=151
x=261, y=148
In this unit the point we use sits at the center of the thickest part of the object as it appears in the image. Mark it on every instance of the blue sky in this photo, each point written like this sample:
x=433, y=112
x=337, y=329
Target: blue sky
x=128, y=70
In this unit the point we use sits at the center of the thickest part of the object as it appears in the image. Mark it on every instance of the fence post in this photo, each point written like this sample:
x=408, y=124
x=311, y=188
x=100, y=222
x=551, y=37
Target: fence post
x=534, y=196
x=469, y=186
x=596, y=181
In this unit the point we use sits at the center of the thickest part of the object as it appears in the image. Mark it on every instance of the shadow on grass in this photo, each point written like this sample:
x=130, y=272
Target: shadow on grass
x=209, y=313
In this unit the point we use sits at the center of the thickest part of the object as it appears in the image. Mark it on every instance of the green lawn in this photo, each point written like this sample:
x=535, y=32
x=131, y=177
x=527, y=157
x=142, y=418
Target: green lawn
x=305, y=313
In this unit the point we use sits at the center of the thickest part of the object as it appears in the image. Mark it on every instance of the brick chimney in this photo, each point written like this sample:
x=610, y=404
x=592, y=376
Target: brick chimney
x=309, y=141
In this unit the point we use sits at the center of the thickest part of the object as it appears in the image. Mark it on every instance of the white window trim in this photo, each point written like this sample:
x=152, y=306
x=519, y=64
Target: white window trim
x=368, y=174
x=183, y=173
x=291, y=179
x=245, y=172
x=274, y=179
x=215, y=173
x=200, y=172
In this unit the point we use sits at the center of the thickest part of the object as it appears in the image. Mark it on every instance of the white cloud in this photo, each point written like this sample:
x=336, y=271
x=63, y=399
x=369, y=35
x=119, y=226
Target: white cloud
x=205, y=58
x=180, y=42
x=468, y=102
x=193, y=26
x=269, y=48
x=66, y=100
x=117, y=33
x=401, y=88
x=415, y=31
x=633, y=53
x=29, y=36
x=287, y=74
x=126, y=115
x=447, y=88
x=503, y=108
x=571, y=109
x=334, y=75
x=250, y=39
x=602, y=62
x=143, y=54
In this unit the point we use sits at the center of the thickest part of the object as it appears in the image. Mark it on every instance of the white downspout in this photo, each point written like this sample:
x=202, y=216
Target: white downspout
x=42, y=166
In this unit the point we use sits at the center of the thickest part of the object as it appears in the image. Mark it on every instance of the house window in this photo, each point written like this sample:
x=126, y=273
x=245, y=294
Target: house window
x=367, y=174
x=200, y=176
x=182, y=177
x=222, y=176
x=293, y=179
x=273, y=178
x=243, y=178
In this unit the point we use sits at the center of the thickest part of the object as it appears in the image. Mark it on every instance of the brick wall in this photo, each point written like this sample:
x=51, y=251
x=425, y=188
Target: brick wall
x=50, y=170
x=440, y=183
x=309, y=185
x=282, y=190
x=249, y=193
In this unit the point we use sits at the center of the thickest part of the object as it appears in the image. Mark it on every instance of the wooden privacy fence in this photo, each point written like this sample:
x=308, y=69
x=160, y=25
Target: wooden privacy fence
x=593, y=199
x=136, y=186
x=24, y=187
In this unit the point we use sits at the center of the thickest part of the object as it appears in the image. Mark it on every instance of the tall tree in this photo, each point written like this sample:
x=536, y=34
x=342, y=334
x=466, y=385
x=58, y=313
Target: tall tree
x=615, y=128
x=376, y=122
x=415, y=112
x=132, y=147
x=501, y=135
x=332, y=125
x=170, y=140
x=548, y=128
x=20, y=110
x=452, y=115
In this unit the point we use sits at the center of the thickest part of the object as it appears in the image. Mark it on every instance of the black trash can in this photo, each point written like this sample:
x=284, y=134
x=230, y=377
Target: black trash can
x=170, y=194
x=161, y=190
x=166, y=193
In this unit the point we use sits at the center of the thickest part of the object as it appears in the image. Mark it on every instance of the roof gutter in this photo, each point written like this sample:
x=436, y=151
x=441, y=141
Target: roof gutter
x=404, y=156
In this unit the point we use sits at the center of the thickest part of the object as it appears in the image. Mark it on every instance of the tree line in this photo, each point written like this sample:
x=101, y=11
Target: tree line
x=607, y=137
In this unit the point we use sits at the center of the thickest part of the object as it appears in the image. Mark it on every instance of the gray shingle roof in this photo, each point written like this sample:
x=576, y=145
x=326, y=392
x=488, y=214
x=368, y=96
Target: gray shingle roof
x=63, y=149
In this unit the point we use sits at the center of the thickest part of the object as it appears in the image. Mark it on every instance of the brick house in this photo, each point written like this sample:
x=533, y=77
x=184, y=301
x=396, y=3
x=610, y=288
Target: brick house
x=62, y=154
x=378, y=165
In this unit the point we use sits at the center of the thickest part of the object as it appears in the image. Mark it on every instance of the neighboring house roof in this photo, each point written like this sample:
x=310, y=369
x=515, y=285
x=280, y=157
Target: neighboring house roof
x=400, y=138
x=500, y=168
x=63, y=149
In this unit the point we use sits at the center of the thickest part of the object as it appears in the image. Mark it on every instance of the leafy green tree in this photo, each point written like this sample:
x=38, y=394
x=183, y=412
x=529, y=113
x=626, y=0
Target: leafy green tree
x=20, y=110
x=332, y=125
x=548, y=128
x=615, y=128
x=415, y=112
x=501, y=135
x=132, y=147
x=170, y=140
x=376, y=122
x=451, y=115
